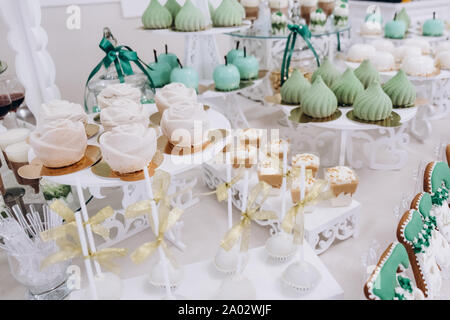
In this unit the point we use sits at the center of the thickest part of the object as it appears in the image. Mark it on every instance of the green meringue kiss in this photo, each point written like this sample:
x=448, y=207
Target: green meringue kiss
x=227, y=14
x=347, y=87
x=190, y=18
x=319, y=101
x=156, y=16
x=173, y=7
x=372, y=104
x=327, y=71
x=401, y=91
x=366, y=73
x=294, y=88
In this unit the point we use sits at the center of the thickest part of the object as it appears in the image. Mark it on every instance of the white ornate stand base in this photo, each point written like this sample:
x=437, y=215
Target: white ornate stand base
x=322, y=227
x=202, y=281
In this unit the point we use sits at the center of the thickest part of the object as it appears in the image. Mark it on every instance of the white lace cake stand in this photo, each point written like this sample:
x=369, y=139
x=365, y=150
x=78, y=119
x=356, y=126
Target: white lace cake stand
x=135, y=191
x=202, y=281
x=341, y=135
x=200, y=48
x=322, y=226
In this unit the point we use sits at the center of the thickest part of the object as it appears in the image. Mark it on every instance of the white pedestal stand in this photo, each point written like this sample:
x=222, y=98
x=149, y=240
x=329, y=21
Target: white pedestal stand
x=339, y=136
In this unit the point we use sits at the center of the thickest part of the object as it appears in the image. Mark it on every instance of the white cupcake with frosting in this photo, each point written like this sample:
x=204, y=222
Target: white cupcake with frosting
x=419, y=66
x=61, y=109
x=128, y=148
x=172, y=94
x=422, y=43
x=116, y=115
x=185, y=124
x=360, y=52
x=403, y=52
x=118, y=91
x=384, y=45
x=59, y=143
x=383, y=61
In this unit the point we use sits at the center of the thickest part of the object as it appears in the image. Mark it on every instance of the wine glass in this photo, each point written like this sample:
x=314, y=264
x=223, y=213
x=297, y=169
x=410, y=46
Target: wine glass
x=5, y=99
x=17, y=95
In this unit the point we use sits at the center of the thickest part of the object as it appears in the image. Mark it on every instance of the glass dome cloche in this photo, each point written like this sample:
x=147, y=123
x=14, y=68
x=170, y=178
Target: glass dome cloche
x=103, y=76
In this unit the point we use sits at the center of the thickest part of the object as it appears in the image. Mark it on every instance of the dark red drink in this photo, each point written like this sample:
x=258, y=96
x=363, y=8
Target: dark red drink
x=17, y=100
x=5, y=104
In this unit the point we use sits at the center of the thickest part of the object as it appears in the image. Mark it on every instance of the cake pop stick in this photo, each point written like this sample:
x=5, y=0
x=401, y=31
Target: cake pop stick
x=244, y=208
x=156, y=226
x=301, y=216
x=229, y=204
x=284, y=184
x=85, y=251
x=85, y=216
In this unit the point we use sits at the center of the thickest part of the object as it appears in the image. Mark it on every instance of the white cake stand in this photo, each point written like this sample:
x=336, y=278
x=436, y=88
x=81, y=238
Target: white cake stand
x=341, y=133
x=200, y=48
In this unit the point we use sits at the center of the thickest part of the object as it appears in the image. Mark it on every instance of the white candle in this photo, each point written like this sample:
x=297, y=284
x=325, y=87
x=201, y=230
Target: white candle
x=230, y=207
x=244, y=208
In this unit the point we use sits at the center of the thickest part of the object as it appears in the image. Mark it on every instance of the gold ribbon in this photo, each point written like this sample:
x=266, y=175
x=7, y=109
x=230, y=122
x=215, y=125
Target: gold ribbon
x=222, y=189
x=243, y=228
x=69, y=250
x=148, y=248
x=70, y=227
x=290, y=222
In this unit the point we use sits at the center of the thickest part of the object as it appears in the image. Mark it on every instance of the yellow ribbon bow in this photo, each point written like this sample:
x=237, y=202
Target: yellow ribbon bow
x=148, y=248
x=70, y=227
x=243, y=228
x=290, y=222
x=222, y=189
x=69, y=250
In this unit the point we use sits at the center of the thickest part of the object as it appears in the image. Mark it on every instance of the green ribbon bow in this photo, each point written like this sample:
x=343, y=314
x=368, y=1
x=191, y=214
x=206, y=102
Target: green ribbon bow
x=295, y=30
x=121, y=56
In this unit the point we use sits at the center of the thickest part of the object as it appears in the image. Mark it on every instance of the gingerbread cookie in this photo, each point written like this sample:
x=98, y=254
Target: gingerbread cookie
x=417, y=236
x=437, y=183
x=388, y=280
x=447, y=154
x=422, y=203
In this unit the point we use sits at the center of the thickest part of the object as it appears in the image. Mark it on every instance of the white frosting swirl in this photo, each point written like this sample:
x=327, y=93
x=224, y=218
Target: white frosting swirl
x=278, y=4
x=422, y=43
x=172, y=94
x=340, y=175
x=61, y=109
x=113, y=92
x=418, y=66
x=250, y=3
x=185, y=124
x=59, y=143
x=310, y=3
x=403, y=52
x=318, y=16
x=360, y=51
x=341, y=11
x=118, y=115
x=128, y=148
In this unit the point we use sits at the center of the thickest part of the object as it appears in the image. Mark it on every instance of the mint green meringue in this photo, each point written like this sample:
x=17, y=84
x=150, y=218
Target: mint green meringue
x=156, y=16
x=190, y=18
x=319, y=101
x=347, y=87
x=227, y=14
x=294, y=88
x=327, y=71
x=372, y=104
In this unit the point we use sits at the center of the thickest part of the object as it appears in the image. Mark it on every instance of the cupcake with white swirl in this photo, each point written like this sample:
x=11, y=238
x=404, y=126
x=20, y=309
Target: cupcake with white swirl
x=118, y=91
x=117, y=115
x=61, y=109
x=59, y=143
x=128, y=148
x=172, y=94
x=185, y=124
